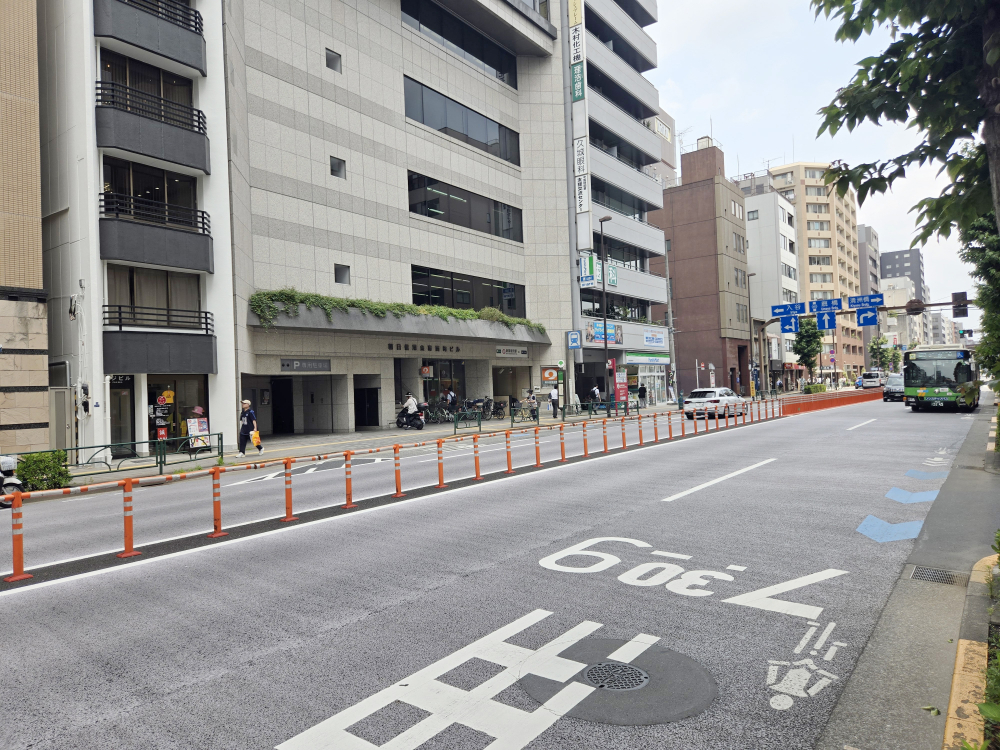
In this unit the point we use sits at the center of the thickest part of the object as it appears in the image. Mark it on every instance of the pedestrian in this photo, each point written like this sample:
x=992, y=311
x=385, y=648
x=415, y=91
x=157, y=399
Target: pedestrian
x=779, y=385
x=452, y=400
x=248, y=426
x=595, y=394
x=532, y=404
x=554, y=400
x=642, y=396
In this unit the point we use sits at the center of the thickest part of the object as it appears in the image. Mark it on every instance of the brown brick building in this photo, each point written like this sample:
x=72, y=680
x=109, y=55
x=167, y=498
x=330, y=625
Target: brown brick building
x=24, y=401
x=705, y=228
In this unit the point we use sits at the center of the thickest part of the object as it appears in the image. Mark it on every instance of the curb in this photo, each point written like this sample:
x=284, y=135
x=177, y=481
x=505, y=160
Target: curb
x=968, y=685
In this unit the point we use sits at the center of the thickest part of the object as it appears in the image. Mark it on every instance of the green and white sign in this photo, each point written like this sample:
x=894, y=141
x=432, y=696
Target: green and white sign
x=577, y=85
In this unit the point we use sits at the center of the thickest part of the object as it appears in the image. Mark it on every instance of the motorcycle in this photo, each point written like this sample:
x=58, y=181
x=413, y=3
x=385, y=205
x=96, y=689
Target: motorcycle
x=405, y=420
x=8, y=482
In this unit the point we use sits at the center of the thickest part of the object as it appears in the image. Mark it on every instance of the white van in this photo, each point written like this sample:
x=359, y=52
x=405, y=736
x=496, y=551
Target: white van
x=871, y=380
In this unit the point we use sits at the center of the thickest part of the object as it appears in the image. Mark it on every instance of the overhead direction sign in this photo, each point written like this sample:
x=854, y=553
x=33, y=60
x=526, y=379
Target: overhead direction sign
x=825, y=305
x=790, y=324
x=866, y=300
x=826, y=321
x=789, y=308
x=867, y=316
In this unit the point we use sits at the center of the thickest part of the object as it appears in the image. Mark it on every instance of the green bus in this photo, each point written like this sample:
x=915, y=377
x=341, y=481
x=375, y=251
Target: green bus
x=933, y=377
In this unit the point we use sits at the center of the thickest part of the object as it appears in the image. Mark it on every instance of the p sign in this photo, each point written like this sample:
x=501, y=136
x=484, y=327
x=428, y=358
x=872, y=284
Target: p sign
x=550, y=374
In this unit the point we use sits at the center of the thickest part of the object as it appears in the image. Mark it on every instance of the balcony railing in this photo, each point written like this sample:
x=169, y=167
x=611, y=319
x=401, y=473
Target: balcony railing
x=141, y=209
x=176, y=13
x=604, y=204
x=132, y=316
x=127, y=99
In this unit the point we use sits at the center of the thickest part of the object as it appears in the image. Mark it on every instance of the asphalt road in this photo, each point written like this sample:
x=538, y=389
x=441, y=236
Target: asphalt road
x=428, y=620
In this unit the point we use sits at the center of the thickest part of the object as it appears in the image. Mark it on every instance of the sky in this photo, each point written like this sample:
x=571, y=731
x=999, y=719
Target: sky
x=754, y=76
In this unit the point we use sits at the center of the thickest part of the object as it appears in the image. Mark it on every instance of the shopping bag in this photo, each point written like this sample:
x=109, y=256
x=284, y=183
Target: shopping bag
x=255, y=438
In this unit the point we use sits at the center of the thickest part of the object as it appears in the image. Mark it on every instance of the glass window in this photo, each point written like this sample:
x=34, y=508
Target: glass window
x=818, y=242
x=817, y=208
x=751, y=215
x=820, y=260
x=439, y=200
x=815, y=174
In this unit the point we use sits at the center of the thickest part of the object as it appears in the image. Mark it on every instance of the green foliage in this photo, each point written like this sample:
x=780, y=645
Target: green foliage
x=966, y=745
x=981, y=248
x=808, y=343
x=895, y=358
x=990, y=712
x=44, y=471
x=938, y=77
x=267, y=304
x=880, y=357
x=814, y=388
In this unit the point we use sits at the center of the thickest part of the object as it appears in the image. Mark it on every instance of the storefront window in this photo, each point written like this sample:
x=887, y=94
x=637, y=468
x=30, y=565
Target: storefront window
x=445, y=374
x=172, y=400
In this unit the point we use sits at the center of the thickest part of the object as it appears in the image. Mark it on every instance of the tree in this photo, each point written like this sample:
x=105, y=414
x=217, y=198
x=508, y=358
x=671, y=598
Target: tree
x=808, y=343
x=941, y=75
x=880, y=357
x=895, y=359
x=981, y=248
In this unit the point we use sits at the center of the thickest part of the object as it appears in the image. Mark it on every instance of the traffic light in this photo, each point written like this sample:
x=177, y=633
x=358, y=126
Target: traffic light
x=965, y=332
x=959, y=308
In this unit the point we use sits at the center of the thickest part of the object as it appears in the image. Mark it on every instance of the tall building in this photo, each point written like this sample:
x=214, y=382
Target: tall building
x=773, y=271
x=828, y=248
x=24, y=399
x=704, y=225
x=870, y=277
x=901, y=329
x=910, y=264
x=944, y=330
x=621, y=153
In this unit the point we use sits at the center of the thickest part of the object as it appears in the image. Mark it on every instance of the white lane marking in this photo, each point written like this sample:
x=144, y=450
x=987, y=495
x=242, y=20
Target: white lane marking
x=476, y=709
x=633, y=648
x=739, y=568
x=716, y=481
x=557, y=467
x=761, y=598
x=672, y=554
x=860, y=425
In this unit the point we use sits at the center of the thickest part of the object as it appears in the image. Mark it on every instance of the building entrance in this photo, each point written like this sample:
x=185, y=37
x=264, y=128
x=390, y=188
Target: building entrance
x=283, y=407
x=366, y=407
x=122, y=415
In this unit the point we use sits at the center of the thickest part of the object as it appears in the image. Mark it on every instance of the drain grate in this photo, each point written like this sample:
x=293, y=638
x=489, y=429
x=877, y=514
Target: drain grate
x=936, y=575
x=615, y=676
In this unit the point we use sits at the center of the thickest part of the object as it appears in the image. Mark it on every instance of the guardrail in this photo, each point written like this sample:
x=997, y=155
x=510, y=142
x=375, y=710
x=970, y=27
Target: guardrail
x=127, y=99
x=468, y=420
x=813, y=401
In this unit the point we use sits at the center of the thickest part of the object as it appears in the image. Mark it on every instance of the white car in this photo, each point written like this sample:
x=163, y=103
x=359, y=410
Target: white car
x=710, y=400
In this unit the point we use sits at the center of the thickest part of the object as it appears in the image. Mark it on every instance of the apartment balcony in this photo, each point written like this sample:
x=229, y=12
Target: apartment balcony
x=160, y=340
x=629, y=230
x=137, y=230
x=164, y=27
x=622, y=174
x=140, y=123
x=609, y=115
x=523, y=26
x=629, y=78
x=612, y=13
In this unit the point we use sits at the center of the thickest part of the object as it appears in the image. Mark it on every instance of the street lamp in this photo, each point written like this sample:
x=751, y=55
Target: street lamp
x=604, y=306
x=750, y=314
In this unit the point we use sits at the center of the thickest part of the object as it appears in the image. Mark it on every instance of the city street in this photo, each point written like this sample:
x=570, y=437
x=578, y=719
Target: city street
x=728, y=570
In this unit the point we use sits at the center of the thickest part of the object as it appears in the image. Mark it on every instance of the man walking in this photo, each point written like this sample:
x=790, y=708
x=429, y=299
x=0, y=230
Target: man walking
x=554, y=400
x=642, y=396
x=248, y=426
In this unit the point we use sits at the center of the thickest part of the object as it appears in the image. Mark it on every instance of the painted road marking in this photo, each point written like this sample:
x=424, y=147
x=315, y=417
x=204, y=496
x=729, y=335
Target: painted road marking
x=512, y=728
x=672, y=554
x=902, y=496
x=914, y=474
x=761, y=598
x=860, y=425
x=633, y=648
x=882, y=531
x=716, y=481
x=797, y=681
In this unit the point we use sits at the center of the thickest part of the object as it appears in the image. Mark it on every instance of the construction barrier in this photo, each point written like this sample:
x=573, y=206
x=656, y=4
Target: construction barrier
x=800, y=403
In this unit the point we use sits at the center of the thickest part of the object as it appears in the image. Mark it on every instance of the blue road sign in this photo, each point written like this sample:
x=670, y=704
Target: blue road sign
x=824, y=305
x=789, y=308
x=790, y=324
x=867, y=316
x=572, y=339
x=866, y=300
x=826, y=321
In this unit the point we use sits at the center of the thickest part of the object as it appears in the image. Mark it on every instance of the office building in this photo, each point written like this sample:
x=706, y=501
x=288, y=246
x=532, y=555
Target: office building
x=944, y=330
x=870, y=278
x=828, y=256
x=772, y=268
x=621, y=154
x=24, y=399
x=704, y=226
x=909, y=264
x=901, y=329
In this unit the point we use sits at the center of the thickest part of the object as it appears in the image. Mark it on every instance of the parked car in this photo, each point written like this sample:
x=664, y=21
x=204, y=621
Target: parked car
x=710, y=400
x=871, y=380
x=858, y=383
x=893, y=390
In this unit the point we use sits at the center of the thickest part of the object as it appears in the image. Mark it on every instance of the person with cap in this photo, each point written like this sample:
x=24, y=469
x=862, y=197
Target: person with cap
x=248, y=426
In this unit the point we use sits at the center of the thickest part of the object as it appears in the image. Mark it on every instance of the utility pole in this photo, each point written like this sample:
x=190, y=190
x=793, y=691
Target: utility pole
x=670, y=324
x=752, y=334
x=604, y=310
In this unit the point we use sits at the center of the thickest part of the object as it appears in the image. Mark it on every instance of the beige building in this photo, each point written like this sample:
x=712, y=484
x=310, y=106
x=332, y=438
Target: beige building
x=829, y=260
x=24, y=408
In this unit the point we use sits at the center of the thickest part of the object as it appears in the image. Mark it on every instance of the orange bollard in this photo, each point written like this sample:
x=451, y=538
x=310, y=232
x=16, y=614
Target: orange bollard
x=623, y=434
x=399, y=480
x=706, y=419
x=694, y=421
x=538, y=450
x=639, y=419
x=758, y=411
x=475, y=451
x=127, y=500
x=716, y=418
x=288, y=490
x=743, y=413
x=562, y=444
x=510, y=462
x=670, y=425
x=349, y=491
x=586, y=453
x=17, y=541
x=604, y=425
x=440, y=483
x=727, y=417
x=656, y=429
x=216, y=505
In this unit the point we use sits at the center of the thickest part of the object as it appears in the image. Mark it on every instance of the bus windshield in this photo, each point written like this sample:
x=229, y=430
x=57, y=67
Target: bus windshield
x=937, y=368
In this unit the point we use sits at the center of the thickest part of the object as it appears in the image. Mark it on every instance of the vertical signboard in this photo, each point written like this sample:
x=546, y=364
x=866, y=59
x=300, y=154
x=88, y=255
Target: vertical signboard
x=578, y=93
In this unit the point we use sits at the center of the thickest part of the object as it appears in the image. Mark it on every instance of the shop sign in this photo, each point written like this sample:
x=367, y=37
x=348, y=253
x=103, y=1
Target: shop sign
x=197, y=428
x=580, y=156
x=576, y=44
x=305, y=365
x=122, y=381
x=582, y=193
x=519, y=352
x=653, y=337
x=161, y=400
x=575, y=12
x=646, y=358
x=413, y=347
x=595, y=332
x=427, y=371
x=161, y=433
x=577, y=86
x=621, y=385
x=550, y=374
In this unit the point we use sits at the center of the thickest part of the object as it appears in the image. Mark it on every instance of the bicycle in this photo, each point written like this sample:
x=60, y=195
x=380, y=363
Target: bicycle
x=487, y=409
x=499, y=410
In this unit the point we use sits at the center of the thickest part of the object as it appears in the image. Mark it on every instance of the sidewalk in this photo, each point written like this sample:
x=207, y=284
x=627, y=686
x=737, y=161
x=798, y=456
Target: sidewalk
x=910, y=659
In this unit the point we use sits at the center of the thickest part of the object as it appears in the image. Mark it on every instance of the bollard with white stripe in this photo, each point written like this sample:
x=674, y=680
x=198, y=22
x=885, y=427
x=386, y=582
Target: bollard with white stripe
x=348, y=490
x=399, y=481
x=17, y=541
x=216, y=506
x=288, y=492
x=440, y=451
x=130, y=551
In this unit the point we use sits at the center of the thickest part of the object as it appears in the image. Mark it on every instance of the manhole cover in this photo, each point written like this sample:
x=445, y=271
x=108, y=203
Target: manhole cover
x=611, y=675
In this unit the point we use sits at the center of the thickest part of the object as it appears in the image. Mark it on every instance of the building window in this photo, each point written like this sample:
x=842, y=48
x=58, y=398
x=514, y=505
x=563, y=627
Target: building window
x=146, y=79
x=465, y=292
x=751, y=215
x=815, y=174
x=787, y=295
x=619, y=307
x=821, y=295
x=820, y=191
x=789, y=272
x=437, y=111
x=456, y=36
x=338, y=167
x=341, y=274
x=621, y=253
x=155, y=192
x=817, y=208
x=667, y=244
x=818, y=242
x=617, y=199
x=785, y=177
x=820, y=260
x=439, y=200
x=818, y=226
x=333, y=61
x=821, y=278
x=788, y=195
x=149, y=288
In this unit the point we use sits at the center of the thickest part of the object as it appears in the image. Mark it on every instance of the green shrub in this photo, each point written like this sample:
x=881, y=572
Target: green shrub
x=816, y=388
x=44, y=471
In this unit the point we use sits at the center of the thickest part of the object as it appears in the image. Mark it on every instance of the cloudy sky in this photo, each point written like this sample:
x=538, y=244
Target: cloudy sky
x=756, y=74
